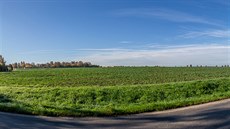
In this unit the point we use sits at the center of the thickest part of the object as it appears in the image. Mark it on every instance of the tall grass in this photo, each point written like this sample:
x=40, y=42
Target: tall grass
x=110, y=100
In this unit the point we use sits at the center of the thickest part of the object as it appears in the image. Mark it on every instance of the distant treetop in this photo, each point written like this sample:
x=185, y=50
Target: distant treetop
x=52, y=64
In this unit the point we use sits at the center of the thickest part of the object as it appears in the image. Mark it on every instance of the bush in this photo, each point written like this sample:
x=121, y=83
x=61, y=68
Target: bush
x=6, y=69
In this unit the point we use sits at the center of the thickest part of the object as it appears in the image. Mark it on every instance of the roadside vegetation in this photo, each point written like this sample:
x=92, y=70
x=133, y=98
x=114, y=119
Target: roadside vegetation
x=110, y=91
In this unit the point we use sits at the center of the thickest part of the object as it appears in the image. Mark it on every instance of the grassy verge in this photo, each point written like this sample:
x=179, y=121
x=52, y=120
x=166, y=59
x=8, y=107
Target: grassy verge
x=110, y=100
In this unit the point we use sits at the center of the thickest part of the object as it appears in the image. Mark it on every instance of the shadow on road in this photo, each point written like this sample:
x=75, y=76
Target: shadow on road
x=216, y=118
x=24, y=122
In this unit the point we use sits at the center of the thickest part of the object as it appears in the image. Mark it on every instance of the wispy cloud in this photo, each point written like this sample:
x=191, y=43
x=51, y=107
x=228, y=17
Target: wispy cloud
x=222, y=2
x=166, y=14
x=209, y=33
x=151, y=54
x=72, y=50
x=101, y=49
x=126, y=42
x=175, y=55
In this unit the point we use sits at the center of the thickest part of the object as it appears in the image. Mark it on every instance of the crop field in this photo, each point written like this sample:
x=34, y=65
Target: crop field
x=110, y=91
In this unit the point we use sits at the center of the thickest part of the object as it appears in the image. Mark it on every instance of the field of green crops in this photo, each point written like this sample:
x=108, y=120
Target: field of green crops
x=108, y=76
x=110, y=91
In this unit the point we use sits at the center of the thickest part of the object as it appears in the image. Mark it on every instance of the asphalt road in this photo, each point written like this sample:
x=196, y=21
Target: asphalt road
x=206, y=116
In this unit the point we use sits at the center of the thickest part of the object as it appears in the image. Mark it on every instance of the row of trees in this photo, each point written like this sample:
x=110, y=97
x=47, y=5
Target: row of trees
x=23, y=64
x=52, y=64
x=207, y=66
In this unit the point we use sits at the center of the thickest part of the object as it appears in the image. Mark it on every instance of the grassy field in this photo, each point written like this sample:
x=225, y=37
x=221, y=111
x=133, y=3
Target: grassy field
x=110, y=91
x=108, y=76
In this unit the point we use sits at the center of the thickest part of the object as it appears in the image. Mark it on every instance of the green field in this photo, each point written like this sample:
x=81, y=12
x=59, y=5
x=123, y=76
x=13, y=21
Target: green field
x=110, y=91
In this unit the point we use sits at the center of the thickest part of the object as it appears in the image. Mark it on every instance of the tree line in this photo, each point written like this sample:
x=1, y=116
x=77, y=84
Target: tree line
x=51, y=64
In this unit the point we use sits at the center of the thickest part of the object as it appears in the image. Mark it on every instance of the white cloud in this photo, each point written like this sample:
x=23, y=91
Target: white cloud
x=222, y=2
x=151, y=54
x=166, y=14
x=100, y=49
x=175, y=55
x=125, y=42
x=70, y=51
x=210, y=33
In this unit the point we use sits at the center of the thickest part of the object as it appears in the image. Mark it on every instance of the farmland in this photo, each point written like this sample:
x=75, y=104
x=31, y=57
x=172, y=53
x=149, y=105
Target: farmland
x=110, y=91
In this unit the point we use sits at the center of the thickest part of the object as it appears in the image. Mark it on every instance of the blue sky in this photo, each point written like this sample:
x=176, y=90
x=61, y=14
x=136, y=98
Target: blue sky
x=116, y=32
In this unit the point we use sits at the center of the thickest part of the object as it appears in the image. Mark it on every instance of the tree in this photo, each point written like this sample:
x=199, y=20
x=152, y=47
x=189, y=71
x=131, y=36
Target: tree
x=2, y=61
x=10, y=68
x=80, y=64
x=3, y=64
x=22, y=64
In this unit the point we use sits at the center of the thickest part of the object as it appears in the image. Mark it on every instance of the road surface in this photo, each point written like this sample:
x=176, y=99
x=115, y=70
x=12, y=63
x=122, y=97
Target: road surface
x=208, y=116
